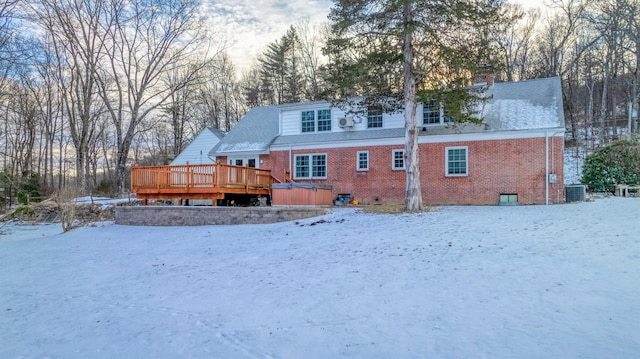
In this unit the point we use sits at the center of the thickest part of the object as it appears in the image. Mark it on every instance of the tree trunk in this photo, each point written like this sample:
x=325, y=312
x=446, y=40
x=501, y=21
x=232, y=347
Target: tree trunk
x=636, y=100
x=413, y=199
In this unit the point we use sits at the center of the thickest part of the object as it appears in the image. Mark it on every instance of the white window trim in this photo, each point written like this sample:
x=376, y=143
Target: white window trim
x=316, y=120
x=381, y=119
x=446, y=161
x=310, y=155
x=358, y=161
x=441, y=116
x=315, y=123
x=393, y=161
x=245, y=160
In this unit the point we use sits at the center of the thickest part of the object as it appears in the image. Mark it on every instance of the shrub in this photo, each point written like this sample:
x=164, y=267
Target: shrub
x=67, y=207
x=30, y=190
x=616, y=163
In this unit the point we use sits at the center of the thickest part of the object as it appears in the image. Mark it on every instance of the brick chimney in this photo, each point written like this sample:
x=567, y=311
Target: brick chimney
x=485, y=75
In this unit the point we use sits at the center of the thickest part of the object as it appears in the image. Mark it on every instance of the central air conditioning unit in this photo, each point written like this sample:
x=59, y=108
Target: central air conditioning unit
x=345, y=122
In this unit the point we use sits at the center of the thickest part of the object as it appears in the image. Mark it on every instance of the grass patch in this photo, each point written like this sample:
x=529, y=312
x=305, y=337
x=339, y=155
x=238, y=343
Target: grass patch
x=386, y=208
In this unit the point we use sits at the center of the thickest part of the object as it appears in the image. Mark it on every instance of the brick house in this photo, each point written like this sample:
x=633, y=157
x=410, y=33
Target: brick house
x=515, y=155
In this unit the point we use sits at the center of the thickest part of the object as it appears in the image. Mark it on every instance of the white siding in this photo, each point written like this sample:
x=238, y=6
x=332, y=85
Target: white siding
x=291, y=120
x=197, y=152
x=395, y=120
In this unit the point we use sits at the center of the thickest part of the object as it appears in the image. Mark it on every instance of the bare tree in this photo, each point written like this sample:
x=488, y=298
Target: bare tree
x=514, y=40
x=147, y=40
x=311, y=38
x=76, y=29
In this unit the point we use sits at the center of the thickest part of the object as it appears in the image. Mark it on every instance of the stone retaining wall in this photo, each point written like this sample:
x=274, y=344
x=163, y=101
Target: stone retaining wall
x=200, y=216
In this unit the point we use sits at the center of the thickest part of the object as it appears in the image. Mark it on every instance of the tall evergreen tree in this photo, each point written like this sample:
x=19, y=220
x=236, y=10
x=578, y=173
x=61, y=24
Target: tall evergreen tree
x=396, y=53
x=281, y=71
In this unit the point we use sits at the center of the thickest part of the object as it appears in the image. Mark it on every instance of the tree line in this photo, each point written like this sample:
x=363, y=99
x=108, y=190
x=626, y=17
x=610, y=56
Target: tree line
x=90, y=87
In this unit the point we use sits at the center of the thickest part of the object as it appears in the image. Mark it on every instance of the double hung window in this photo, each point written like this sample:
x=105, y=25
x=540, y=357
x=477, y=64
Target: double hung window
x=374, y=117
x=398, y=160
x=434, y=114
x=312, y=121
x=362, y=160
x=313, y=166
x=456, y=161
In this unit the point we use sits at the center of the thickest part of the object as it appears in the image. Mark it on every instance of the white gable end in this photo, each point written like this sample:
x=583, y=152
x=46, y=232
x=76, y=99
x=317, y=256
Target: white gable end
x=197, y=152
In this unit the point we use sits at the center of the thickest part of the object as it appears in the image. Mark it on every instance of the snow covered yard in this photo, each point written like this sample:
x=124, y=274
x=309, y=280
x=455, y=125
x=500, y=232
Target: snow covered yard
x=560, y=281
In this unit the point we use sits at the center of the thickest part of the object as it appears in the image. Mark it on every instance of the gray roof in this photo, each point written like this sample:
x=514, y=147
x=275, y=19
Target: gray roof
x=339, y=136
x=217, y=132
x=525, y=105
x=253, y=133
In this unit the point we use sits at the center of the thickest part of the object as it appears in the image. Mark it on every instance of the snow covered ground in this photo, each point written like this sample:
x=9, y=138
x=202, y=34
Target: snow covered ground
x=559, y=281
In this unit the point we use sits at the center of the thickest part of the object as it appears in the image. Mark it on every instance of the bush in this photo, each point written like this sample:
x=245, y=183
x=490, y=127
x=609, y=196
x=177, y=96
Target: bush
x=67, y=207
x=23, y=211
x=30, y=190
x=616, y=163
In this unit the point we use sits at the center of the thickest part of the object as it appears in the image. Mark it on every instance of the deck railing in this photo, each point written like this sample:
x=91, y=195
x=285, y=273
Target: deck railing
x=189, y=178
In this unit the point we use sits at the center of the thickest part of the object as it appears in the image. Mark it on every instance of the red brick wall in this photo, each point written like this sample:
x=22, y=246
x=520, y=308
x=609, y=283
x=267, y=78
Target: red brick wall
x=498, y=166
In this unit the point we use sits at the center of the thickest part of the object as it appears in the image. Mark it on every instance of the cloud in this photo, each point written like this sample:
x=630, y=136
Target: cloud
x=250, y=26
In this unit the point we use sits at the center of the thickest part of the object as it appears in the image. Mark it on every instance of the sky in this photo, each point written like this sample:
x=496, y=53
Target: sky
x=251, y=25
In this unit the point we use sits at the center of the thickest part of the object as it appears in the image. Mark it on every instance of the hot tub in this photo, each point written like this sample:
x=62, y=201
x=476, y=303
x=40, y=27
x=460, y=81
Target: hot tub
x=301, y=194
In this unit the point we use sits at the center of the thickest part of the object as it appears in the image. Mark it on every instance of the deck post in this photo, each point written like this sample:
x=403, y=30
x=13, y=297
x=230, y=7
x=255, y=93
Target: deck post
x=246, y=179
x=187, y=176
x=217, y=184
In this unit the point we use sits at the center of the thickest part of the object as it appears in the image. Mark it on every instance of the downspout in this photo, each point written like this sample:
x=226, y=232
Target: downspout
x=546, y=167
x=553, y=158
x=290, y=162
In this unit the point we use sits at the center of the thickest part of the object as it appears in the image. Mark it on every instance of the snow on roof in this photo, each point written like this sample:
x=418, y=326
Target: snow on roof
x=520, y=115
x=253, y=133
x=524, y=105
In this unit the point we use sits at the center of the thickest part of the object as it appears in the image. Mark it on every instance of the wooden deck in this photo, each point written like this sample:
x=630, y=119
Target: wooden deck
x=212, y=182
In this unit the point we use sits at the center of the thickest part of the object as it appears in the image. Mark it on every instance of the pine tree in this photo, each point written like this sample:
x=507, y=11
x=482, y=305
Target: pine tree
x=281, y=75
x=395, y=53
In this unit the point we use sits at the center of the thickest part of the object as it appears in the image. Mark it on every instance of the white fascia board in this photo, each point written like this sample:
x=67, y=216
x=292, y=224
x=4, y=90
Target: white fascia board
x=491, y=136
x=395, y=141
x=242, y=153
x=340, y=144
x=305, y=105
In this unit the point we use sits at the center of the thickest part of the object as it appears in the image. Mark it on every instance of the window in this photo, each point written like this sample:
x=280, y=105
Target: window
x=324, y=120
x=374, y=117
x=362, y=161
x=246, y=161
x=308, y=121
x=456, y=161
x=433, y=114
x=319, y=166
x=508, y=199
x=311, y=166
x=398, y=159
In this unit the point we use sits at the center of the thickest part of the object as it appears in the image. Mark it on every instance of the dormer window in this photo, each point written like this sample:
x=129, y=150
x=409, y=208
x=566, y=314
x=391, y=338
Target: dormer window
x=312, y=121
x=374, y=117
x=434, y=114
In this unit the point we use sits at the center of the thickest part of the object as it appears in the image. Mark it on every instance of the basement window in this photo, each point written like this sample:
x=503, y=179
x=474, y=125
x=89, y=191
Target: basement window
x=508, y=199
